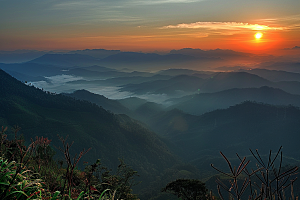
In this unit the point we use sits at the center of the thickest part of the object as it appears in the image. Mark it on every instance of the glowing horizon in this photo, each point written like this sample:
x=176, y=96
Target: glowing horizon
x=135, y=25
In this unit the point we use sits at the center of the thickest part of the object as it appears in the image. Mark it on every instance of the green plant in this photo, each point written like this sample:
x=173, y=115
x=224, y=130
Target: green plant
x=21, y=175
x=16, y=182
x=105, y=195
x=55, y=195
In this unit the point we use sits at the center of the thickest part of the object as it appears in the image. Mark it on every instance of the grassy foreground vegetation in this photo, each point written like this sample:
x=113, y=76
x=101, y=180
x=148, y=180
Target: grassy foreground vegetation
x=30, y=172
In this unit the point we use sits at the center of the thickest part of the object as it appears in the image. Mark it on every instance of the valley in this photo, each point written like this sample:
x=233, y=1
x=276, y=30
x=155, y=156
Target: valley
x=166, y=124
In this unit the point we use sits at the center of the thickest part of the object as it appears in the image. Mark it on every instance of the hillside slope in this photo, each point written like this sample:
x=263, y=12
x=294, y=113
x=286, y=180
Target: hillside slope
x=108, y=104
x=235, y=129
x=110, y=136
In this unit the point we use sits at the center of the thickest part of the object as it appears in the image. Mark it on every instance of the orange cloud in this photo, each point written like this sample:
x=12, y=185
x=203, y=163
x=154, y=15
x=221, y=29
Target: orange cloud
x=223, y=26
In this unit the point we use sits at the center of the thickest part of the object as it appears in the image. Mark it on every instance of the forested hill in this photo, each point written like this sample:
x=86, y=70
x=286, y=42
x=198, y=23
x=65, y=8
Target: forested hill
x=110, y=136
x=108, y=104
x=232, y=130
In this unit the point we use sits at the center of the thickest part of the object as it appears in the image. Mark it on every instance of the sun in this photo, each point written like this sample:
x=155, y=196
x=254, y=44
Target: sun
x=258, y=35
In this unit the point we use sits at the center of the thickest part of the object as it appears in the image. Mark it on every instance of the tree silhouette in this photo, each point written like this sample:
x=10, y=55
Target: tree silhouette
x=187, y=189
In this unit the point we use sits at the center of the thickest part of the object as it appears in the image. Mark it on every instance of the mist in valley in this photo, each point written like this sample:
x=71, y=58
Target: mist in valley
x=196, y=102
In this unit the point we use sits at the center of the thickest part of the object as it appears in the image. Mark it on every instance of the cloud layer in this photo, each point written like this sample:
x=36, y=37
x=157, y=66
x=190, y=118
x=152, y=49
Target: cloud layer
x=223, y=26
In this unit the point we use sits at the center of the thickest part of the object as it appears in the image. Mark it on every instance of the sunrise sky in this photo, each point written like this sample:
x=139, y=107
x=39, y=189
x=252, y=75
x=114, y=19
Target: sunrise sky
x=149, y=25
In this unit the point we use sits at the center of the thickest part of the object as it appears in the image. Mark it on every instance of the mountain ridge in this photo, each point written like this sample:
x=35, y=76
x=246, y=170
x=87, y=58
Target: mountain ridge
x=205, y=102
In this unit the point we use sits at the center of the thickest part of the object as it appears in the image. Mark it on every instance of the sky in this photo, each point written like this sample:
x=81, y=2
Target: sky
x=149, y=25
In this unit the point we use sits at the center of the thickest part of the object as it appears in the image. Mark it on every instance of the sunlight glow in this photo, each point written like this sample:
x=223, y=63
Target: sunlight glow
x=258, y=35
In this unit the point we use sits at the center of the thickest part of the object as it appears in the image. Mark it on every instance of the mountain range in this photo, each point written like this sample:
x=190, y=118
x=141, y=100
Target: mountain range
x=170, y=117
x=205, y=102
x=236, y=127
x=208, y=84
x=232, y=130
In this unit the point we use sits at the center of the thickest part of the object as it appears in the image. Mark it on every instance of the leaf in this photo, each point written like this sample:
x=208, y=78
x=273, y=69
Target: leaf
x=55, y=195
x=6, y=175
x=103, y=193
x=12, y=193
x=2, y=183
x=80, y=195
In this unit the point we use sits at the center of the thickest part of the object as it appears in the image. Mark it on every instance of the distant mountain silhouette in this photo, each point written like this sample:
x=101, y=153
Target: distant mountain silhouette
x=96, y=53
x=172, y=86
x=30, y=71
x=150, y=61
x=125, y=78
x=134, y=79
x=25, y=77
x=83, y=72
x=133, y=57
x=287, y=66
x=208, y=83
x=227, y=80
x=97, y=68
x=233, y=130
x=200, y=103
x=19, y=56
x=66, y=60
x=216, y=82
x=177, y=72
x=119, y=60
x=216, y=53
x=275, y=75
x=292, y=87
